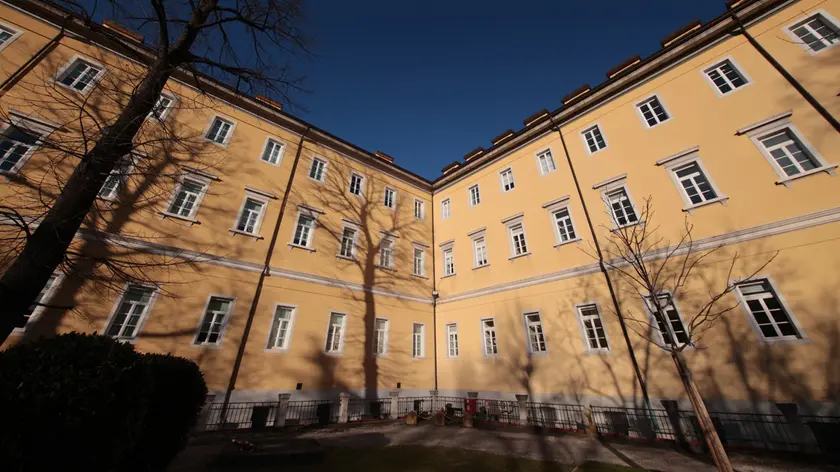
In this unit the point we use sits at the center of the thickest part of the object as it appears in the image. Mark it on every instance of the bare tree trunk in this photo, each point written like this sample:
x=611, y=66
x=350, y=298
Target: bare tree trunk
x=709, y=432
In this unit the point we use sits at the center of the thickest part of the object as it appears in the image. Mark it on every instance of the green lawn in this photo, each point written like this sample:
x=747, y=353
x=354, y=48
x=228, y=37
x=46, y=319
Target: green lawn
x=425, y=459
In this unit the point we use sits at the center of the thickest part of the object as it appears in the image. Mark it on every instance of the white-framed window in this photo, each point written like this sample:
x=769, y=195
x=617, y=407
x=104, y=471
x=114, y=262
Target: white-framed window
x=304, y=230
x=621, y=208
x=452, y=340
x=474, y=195
x=534, y=332
x=187, y=197
x=594, y=334
x=280, y=334
x=390, y=198
x=670, y=312
x=348, y=241
x=563, y=226
x=117, y=179
x=446, y=209
x=419, y=261
x=695, y=185
x=44, y=296
x=318, y=169
x=518, y=246
x=817, y=33
x=335, y=333
x=131, y=311
x=380, y=336
x=213, y=322
x=220, y=130
x=19, y=139
x=449, y=261
x=386, y=253
x=162, y=107
x=273, y=151
x=488, y=331
x=356, y=182
x=506, y=180
x=419, y=209
x=418, y=341
x=725, y=77
x=7, y=35
x=652, y=111
x=80, y=74
x=594, y=139
x=251, y=215
x=480, y=251
x=545, y=162
x=767, y=312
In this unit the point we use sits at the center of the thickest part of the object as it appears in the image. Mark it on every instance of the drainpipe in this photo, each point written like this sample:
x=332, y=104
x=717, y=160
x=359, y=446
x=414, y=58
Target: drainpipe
x=795, y=83
x=603, y=268
x=33, y=61
x=265, y=273
x=434, y=292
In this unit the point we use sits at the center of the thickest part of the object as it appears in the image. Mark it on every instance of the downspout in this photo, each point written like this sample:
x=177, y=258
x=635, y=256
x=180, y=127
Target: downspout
x=434, y=292
x=263, y=274
x=795, y=83
x=603, y=268
x=33, y=61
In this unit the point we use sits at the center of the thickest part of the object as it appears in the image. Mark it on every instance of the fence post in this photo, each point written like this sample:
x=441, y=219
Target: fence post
x=343, y=406
x=435, y=402
x=280, y=411
x=523, y=409
x=673, y=412
x=589, y=422
x=395, y=404
x=799, y=430
x=204, y=415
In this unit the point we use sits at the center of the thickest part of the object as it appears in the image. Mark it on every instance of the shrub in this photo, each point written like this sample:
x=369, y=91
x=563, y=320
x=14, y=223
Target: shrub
x=87, y=402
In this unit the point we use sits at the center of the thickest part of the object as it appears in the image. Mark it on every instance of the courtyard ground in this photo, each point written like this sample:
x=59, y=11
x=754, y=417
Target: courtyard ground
x=395, y=446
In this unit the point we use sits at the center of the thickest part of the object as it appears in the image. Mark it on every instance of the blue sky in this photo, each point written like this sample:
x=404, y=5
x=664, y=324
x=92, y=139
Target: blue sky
x=427, y=82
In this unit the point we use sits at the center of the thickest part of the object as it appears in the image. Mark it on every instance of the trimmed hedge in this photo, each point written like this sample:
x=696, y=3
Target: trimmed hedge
x=87, y=402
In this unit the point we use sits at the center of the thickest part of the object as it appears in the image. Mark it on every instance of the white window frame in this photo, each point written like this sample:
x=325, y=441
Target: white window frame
x=15, y=34
x=229, y=135
x=312, y=213
x=65, y=69
x=343, y=334
x=827, y=17
x=477, y=195
x=510, y=224
x=277, y=142
x=393, y=205
x=742, y=300
x=547, y=151
x=421, y=205
x=422, y=353
x=387, y=241
x=45, y=299
x=30, y=125
x=118, y=190
x=449, y=247
x=477, y=237
x=484, y=329
x=166, y=111
x=589, y=129
x=555, y=206
x=145, y=316
x=418, y=247
x=225, y=322
x=270, y=343
x=347, y=225
x=249, y=195
x=678, y=162
x=738, y=69
x=323, y=171
x=509, y=171
x=361, y=184
x=613, y=185
x=583, y=333
x=525, y=325
x=205, y=183
x=649, y=98
x=386, y=336
x=447, y=331
x=446, y=208
x=646, y=301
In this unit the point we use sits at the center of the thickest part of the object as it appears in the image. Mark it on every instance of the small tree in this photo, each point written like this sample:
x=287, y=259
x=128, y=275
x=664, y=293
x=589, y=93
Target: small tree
x=656, y=271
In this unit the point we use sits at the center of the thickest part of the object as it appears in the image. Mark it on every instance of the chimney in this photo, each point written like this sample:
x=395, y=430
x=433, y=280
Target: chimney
x=269, y=101
x=122, y=30
x=384, y=157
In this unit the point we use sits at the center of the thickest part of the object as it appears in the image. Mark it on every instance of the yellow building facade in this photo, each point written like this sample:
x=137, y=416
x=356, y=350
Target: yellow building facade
x=293, y=261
